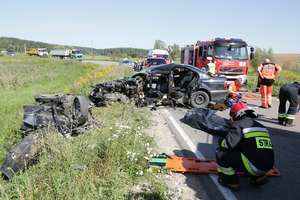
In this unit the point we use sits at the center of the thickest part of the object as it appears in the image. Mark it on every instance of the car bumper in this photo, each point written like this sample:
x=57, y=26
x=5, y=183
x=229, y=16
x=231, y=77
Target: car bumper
x=243, y=78
x=218, y=96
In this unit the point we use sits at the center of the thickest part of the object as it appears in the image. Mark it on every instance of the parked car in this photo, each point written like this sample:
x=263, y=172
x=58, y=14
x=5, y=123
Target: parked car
x=152, y=61
x=127, y=62
x=11, y=53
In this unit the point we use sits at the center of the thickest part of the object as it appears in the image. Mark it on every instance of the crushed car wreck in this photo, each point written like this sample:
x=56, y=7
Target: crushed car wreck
x=68, y=114
x=169, y=84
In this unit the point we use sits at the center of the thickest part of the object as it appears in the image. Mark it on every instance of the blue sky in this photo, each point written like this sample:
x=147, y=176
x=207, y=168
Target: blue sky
x=137, y=23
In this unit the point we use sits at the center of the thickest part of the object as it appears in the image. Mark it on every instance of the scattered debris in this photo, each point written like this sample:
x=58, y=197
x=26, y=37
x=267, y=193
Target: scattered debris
x=116, y=91
x=68, y=114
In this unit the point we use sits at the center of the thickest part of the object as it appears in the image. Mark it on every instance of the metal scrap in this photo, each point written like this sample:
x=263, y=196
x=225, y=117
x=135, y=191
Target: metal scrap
x=68, y=114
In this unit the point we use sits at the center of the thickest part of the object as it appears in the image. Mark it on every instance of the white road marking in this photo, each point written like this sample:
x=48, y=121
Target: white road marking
x=224, y=191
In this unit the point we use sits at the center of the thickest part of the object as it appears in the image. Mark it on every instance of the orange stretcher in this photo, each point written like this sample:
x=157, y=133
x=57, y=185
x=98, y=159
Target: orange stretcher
x=251, y=96
x=178, y=164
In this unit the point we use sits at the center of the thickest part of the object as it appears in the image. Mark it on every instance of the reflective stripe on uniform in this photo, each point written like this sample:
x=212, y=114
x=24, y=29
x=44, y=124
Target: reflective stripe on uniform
x=251, y=169
x=226, y=170
x=282, y=115
x=256, y=134
x=290, y=116
x=254, y=129
x=223, y=144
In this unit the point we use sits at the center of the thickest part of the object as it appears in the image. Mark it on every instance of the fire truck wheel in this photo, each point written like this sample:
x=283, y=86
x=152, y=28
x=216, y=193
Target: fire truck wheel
x=199, y=99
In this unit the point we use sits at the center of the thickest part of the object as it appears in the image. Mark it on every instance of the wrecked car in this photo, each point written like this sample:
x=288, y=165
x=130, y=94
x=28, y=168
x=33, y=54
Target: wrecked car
x=166, y=84
x=68, y=114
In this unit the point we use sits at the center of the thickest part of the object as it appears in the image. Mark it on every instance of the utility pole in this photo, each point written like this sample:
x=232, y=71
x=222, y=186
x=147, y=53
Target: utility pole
x=25, y=48
x=92, y=51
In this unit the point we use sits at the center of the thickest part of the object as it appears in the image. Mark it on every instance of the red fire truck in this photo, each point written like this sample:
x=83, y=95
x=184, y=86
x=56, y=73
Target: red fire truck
x=229, y=55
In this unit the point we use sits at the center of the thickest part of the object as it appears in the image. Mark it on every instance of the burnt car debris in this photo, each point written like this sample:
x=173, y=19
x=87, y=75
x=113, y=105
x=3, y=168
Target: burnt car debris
x=169, y=84
x=121, y=90
x=68, y=114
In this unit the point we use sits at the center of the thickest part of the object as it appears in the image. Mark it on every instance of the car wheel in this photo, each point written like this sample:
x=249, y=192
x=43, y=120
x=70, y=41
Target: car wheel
x=199, y=99
x=81, y=105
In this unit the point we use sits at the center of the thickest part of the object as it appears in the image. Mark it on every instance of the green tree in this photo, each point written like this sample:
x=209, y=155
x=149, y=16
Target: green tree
x=174, y=51
x=159, y=44
x=260, y=55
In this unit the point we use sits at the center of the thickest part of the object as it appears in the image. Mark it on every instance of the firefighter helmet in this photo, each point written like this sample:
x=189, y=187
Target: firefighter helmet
x=240, y=109
x=267, y=60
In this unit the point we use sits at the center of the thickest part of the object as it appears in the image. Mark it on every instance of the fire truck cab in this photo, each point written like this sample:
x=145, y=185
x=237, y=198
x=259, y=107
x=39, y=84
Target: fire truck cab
x=229, y=55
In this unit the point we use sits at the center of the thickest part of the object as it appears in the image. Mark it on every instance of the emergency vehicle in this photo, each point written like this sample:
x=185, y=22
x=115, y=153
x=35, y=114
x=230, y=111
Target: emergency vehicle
x=159, y=54
x=229, y=55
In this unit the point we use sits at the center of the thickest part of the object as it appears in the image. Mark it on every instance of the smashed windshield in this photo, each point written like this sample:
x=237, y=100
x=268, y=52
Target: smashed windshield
x=77, y=52
x=231, y=52
x=156, y=61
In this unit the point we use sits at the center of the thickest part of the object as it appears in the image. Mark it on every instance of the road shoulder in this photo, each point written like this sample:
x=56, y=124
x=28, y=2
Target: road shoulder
x=165, y=142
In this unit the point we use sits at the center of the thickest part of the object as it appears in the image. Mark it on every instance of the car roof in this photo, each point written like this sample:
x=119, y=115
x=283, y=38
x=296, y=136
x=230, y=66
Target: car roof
x=167, y=67
x=160, y=58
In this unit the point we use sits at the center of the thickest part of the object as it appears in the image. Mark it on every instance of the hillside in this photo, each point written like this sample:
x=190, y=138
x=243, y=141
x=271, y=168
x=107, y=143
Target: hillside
x=287, y=58
x=19, y=45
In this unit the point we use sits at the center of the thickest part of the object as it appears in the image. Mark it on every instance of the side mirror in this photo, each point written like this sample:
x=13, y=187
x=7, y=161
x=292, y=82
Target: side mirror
x=204, y=54
x=251, y=53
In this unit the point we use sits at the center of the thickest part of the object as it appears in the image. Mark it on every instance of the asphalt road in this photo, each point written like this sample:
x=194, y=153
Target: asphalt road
x=101, y=62
x=286, y=142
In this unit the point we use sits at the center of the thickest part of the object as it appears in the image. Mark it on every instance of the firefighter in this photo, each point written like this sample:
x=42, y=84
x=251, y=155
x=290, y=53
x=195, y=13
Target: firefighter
x=258, y=84
x=235, y=87
x=246, y=148
x=267, y=72
x=211, y=66
x=288, y=92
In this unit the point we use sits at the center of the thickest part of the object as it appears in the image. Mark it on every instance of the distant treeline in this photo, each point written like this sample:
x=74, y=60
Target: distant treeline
x=19, y=45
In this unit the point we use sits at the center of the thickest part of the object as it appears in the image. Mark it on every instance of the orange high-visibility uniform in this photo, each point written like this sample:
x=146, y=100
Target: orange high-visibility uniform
x=267, y=72
x=234, y=87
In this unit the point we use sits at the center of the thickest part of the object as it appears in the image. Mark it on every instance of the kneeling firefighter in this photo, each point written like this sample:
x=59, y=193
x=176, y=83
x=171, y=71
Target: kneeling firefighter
x=246, y=148
x=288, y=92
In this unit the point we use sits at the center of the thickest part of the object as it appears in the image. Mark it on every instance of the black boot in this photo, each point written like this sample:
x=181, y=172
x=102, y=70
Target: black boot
x=281, y=120
x=258, y=180
x=230, y=181
x=289, y=122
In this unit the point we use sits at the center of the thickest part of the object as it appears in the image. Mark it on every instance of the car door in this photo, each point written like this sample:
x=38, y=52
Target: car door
x=184, y=77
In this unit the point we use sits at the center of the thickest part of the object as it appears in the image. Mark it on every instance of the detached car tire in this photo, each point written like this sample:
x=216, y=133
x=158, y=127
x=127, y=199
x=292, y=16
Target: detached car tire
x=199, y=99
x=81, y=105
